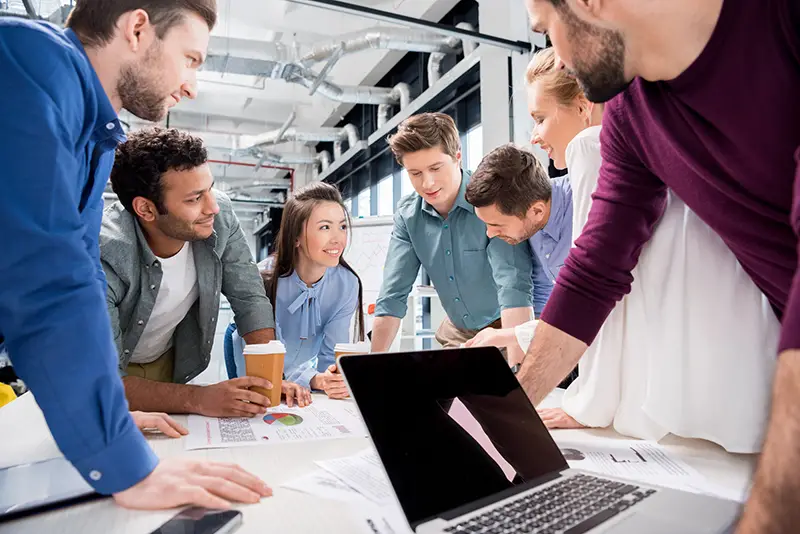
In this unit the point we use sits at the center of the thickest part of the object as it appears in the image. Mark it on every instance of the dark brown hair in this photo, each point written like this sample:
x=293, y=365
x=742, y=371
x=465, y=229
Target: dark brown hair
x=94, y=21
x=423, y=131
x=296, y=213
x=146, y=156
x=511, y=178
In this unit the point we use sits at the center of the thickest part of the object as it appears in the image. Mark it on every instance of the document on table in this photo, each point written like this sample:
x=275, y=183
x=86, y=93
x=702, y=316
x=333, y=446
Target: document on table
x=386, y=518
x=323, y=419
x=362, y=472
x=642, y=461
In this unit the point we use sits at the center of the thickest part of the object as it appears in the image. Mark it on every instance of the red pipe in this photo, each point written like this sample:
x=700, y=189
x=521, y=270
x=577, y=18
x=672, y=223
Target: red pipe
x=243, y=164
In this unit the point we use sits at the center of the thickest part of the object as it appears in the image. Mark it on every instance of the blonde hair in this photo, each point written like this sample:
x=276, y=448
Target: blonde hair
x=423, y=131
x=556, y=82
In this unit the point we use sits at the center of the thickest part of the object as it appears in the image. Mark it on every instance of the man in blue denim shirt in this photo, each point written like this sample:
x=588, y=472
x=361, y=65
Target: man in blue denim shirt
x=60, y=92
x=513, y=195
x=478, y=279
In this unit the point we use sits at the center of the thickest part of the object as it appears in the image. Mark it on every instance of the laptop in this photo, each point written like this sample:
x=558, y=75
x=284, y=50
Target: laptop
x=38, y=487
x=448, y=478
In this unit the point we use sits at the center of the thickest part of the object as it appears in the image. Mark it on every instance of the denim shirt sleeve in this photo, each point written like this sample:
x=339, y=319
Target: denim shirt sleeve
x=241, y=283
x=399, y=272
x=304, y=372
x=542, y=286
x=511, y=269
x=53, y=315
x=337, y=329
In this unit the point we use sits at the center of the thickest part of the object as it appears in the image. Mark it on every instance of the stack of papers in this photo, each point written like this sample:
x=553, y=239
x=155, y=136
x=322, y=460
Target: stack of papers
x=359, y=481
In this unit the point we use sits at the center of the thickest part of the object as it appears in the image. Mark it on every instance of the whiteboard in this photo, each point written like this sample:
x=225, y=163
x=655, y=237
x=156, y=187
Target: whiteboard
x=366, y=252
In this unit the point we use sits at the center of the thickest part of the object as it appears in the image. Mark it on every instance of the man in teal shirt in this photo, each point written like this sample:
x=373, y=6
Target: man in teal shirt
x=479, y=280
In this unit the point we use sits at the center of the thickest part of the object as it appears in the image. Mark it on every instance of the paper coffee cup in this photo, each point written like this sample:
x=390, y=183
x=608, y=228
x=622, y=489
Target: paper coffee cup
x=340, y=349
x=266, y=361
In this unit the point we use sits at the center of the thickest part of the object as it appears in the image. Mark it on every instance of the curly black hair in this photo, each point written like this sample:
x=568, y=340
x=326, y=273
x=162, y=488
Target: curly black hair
x=143, y=159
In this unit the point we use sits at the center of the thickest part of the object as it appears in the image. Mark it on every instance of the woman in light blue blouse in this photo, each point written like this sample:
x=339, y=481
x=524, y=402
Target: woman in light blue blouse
x=313, y=290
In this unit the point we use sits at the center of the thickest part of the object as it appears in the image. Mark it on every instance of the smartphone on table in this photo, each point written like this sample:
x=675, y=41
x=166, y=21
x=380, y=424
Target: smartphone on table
x=197, y=520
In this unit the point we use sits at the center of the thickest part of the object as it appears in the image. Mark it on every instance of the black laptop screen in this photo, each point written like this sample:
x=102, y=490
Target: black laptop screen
x=451, y=427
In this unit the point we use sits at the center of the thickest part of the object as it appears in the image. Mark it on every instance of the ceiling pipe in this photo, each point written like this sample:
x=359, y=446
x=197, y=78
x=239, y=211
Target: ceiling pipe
x=296, y=73
x=435, y=59
x=243, y=164
x=381, y=39
x=522, y=47
x=349, y=132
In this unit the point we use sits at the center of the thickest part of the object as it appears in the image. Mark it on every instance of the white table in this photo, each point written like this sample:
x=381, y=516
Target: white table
x=25, y=438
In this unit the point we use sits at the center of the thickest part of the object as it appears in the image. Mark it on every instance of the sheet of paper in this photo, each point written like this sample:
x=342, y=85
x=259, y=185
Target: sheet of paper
x=324, y=419
x=380, y=520
x=323, y=484
x=362, y=472
x=642, y=461
x=371, y=518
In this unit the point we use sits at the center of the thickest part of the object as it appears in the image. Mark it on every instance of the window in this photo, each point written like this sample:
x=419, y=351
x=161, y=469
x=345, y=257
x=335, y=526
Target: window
x=474, y=147
x=386, y=195
x=405, y=184
x=364, y=200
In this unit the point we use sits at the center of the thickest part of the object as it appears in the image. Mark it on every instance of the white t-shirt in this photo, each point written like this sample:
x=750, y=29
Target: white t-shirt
x=177, y=294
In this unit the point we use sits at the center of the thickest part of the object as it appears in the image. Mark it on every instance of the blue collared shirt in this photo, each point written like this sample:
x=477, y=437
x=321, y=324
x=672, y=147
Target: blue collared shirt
x=474, y=276
x=551, y=244
x=57, y=146
x=310, y=321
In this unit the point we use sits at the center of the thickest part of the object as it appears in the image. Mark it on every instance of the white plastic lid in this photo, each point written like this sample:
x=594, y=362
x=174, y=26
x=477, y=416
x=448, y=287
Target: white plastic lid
x=361, y=347
x=273, y=347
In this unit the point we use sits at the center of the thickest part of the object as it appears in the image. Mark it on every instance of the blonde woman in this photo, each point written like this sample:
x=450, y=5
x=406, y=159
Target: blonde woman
x=668, y=360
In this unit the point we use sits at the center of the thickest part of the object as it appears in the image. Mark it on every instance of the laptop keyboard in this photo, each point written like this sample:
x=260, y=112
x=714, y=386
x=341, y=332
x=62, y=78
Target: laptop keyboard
x=573, y=506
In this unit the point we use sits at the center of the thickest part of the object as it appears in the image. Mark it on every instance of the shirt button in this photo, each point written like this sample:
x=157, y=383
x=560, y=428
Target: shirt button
x=547, y=255
x=446, y=226
x=458, y=299
x=213, y=319
x=110, y=126
x=95, y=475
x=447, y=252
x=451, y=278
x=466, y=315
x=156, y=264
x=126, y=351
x=140, y=322
x=152, y=287
x=208, y=342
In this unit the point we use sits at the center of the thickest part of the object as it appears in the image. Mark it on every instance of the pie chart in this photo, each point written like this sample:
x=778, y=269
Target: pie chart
x=285, y=419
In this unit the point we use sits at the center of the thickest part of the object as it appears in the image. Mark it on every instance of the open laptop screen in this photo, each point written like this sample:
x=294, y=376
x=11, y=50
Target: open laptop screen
x=451, y=427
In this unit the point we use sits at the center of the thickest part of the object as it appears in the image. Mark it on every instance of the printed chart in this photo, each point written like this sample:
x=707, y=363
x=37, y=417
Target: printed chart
x=323, y=419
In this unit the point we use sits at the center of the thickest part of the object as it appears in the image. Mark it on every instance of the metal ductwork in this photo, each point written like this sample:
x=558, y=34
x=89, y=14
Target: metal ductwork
x=323, y=159
x=295, y=73
x=382, y=39
x=435, y=59
x=348, y=132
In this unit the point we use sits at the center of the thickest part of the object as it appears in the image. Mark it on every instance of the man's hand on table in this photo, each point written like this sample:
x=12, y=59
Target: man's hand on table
x=180, y=481
x=232, y=398
x=294, y=393
x=161, y=422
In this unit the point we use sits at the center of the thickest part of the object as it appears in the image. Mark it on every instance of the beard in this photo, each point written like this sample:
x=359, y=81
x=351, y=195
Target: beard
x=599, y=67
x=180, y=229
x=138, y=87
x=529, y=229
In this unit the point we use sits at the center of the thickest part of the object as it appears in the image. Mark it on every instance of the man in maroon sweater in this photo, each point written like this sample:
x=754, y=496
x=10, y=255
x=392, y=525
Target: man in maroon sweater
x=703, y=98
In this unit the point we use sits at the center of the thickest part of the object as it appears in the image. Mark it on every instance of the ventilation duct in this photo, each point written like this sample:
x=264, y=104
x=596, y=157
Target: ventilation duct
x=382, y=39
x=435, y=59
x=323, y=159
x=349, y=132
x=294, y=73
